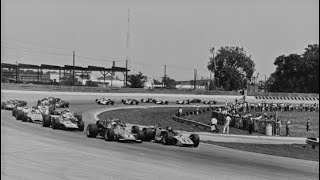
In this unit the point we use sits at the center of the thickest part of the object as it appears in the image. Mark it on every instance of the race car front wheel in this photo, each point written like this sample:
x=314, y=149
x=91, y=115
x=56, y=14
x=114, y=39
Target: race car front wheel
x=167, y=138
x=80, y=126
x=46, y=121
x=109, y=135
x=92, y=131
x=195, y=139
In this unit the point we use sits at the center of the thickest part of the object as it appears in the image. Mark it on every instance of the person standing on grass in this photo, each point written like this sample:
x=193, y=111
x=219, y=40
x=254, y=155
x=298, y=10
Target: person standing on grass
x=308, y=125
x=287, y=127
x=278, y=127
x=226, y=125
x=250, y=125
x=180, y=112
x=214, y=123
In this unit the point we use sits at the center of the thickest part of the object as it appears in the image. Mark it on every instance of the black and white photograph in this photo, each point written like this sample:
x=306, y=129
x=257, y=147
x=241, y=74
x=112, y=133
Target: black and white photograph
x=156, y=90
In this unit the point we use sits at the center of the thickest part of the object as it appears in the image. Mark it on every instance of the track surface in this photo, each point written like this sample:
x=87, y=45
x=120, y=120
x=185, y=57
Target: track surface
x=29, y=151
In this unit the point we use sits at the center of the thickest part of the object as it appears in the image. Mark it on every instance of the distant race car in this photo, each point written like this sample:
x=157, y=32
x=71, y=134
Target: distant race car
x=195, y=101
x=114, y=130
x=209, y=102
x=130, y=101
x=149, y=100
x=65, y=120
x=183, y=102
x=168, y=136
x=104, y=101
x=160, y=102
x=57, y=102
x=9, y=105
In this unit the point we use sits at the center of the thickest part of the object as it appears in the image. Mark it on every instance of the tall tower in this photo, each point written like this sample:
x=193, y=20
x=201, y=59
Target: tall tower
x=127, y=47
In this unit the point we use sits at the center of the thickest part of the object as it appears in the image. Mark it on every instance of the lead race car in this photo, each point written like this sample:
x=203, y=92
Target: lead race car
x=168, y=136
x=65, y=120
x=210, y=102
x=105, y=101
x=112, y=130
x=160, y=101
x=148, y=100
x=183, y=102
x=130, y=101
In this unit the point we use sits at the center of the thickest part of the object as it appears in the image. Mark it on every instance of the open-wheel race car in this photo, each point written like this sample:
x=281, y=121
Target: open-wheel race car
x=64, y=120
x=57, y=102
x=183, y=102
x=195, y=101
x=104, y=101
x=19, y=112
x=148, y=100
x=114, y=130
x=11, y=104
x=160, y=101
x=130, y=101
x=168, y=136
x=210, y=102
x=27, y=114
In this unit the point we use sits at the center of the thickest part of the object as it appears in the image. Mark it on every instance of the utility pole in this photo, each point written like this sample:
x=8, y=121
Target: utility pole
x=73, y=68
x=195, y=78
x=164, y=76
x=17, y=70
x=127, y=73
x=265, y=83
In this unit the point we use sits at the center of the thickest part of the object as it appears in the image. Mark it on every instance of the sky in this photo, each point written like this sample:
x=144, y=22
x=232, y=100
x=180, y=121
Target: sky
x=175, y=33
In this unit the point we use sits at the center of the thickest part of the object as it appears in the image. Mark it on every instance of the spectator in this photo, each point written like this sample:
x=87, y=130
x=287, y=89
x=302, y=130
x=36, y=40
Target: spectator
x=308, y=125
x=250, y=125
x=197, y=109
x=226, y=125
x=278, y=128
x=214, y=123
x=180, y=112
x=287, y=127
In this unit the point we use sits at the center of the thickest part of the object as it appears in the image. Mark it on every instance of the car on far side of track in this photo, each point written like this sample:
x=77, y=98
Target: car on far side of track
x=130, y=101
x=105, y=101
x=195, y=101
x=114, y=130
x=148, y=100
x=9, y=105
x=210, y=102
x=168, y=136
x=183, y=102
x=160, y=102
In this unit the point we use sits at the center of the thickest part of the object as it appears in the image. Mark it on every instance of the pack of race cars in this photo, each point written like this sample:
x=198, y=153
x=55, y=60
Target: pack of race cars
x=111, y=130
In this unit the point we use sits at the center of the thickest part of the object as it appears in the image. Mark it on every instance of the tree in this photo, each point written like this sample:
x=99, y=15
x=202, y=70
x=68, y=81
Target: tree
x=68, y=80
x=136, y=80
x=170, y=83
x=297, y=73
x=233, y=67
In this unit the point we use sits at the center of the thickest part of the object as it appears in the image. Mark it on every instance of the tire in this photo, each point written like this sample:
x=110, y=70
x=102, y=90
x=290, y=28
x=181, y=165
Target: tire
x=19, y=115
x=24, y=118
x=67, y=105
x=55, y=124
x=14, y=112
x=80, y=126
x=112, y=102
x=135, y=129
x=148, y=134
x=46, y=121
x=3, y=104
x=195, y=139
x=109, y=135
x=92, y=131
x=140, y=135
x=79, y=117
x=167, y=138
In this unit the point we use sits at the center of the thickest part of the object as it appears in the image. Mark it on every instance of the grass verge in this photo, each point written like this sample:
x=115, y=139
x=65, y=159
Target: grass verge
x=297, y=151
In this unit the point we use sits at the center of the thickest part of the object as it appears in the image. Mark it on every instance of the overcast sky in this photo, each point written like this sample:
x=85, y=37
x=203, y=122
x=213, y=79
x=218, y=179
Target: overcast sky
x=177, y=33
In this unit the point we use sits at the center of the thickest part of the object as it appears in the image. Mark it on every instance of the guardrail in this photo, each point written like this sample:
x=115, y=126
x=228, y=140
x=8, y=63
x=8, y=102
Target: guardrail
x=313, y=142
x=199, y=125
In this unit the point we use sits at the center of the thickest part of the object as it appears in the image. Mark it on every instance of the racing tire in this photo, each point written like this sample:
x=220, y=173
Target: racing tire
x=46, y=121
x=24, y=118
x=109, y=135
x=195, y=139
x=112, y=102
x=79, y=117
x=67, y=105
x=135, y=129
x=92, y=131
x=140, y=135
x=14, y=112
x=80, y=126
x=19, y=115
x=148, y=134
x=3, y=104
x=55, y=124
x=167, y=138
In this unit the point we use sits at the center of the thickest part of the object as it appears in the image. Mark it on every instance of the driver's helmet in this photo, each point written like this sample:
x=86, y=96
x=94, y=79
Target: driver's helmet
x=64, y=116
x=114, y=124
x=169, y=128
x=67, y=110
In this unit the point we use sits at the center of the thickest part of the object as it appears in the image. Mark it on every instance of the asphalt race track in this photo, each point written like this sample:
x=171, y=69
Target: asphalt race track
x=30, y=151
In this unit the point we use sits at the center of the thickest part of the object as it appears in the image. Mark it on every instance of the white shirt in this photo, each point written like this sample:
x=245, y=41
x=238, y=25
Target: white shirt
x=214, y=121
x=228, y=119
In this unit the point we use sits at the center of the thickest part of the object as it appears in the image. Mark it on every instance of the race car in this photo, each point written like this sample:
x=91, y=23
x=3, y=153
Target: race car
x=195, y=101
x=160, y=102
x=149, y=100
x=59, y=103
x=209, y=102
x=9, y=105
x=168, y=136
x=65, y=120
x=130, y=101
x=19, y=112
x=33, y=115
x=114, y=130
x=104, y=101
x=183, y=102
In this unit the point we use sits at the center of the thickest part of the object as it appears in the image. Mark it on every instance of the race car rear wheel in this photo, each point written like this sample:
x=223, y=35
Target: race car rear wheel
x=24, y=118
x=3, y=104
x=92, y=131
x=148, y=134
x=195, y=139
x=135, y=129
x=80, y=126
x=55, y=124
x=14, y=112
x=46, y=121
x=109, y=135
x=140, y=135
x=167, y=138
x=19, y=115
